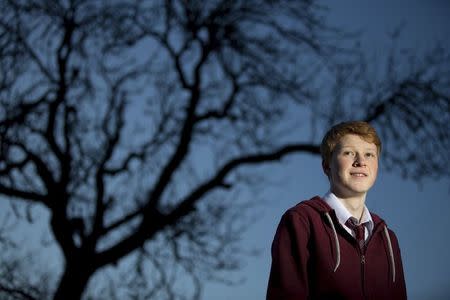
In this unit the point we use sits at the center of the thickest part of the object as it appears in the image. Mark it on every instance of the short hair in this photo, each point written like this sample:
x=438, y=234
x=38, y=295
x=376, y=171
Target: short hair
x=333, y=136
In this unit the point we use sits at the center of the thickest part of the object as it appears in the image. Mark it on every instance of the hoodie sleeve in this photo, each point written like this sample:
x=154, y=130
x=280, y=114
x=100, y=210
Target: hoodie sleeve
x=288, y=275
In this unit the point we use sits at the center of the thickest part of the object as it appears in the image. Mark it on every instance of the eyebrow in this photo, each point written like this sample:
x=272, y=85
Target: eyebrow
x=371, y=149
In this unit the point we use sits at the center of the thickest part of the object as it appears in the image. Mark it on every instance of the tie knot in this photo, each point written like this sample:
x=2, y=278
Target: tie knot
x=358, y=229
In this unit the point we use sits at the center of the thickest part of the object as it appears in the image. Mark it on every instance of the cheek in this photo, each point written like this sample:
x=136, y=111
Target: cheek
x=374, y=166
x=337, y=168
x=375, y=169
x=341, y=165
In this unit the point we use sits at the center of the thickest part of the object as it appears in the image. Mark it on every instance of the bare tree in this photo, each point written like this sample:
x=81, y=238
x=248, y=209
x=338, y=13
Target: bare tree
x=132, y=123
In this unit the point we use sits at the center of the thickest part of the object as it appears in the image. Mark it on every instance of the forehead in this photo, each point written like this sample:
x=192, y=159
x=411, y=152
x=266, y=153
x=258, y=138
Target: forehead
x=355, y=141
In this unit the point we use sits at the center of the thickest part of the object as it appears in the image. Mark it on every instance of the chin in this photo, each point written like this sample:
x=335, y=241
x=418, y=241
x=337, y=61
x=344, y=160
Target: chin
x=356, y=190
x=360, y=187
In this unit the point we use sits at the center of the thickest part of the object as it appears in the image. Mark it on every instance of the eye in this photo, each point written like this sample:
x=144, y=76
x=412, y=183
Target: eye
x=349, y=153
x=370, y=155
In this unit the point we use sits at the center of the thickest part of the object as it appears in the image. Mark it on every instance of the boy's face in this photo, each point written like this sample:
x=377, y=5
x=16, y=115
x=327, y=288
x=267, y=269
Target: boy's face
x=353, y=167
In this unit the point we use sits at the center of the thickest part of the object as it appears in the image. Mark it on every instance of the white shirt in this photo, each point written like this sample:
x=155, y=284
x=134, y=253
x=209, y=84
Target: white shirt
x=343, y=214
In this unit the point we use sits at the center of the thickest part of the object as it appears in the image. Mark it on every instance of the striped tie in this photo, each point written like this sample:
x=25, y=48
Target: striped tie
x=358, y=229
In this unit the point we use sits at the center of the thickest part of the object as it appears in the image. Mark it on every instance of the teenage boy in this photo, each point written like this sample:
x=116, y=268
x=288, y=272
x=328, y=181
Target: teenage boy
x=332, y=247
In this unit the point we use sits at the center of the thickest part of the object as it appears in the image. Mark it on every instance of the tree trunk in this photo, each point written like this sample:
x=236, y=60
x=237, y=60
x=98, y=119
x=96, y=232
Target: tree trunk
x=74, y=280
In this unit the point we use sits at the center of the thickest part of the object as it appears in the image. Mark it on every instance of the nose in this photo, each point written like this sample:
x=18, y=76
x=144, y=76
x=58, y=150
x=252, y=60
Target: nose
x=359, y=160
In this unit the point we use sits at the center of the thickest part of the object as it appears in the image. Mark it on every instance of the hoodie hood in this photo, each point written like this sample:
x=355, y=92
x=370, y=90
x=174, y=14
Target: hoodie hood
x=318, y=204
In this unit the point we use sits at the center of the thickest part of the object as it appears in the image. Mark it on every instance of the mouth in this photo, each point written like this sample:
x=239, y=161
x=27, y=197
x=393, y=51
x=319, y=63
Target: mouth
x=358, y=174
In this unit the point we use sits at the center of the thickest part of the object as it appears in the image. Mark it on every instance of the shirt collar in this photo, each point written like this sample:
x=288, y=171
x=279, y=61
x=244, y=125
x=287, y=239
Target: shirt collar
x=342, y=212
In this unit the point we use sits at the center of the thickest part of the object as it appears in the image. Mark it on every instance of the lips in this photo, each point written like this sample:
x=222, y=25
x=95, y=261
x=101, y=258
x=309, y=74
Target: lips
x=358, y=174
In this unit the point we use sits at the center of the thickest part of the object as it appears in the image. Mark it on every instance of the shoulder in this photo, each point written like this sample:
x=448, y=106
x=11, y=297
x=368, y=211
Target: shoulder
x=306, y=210
x=376, y=218
x=315, y=204
x=392, y=235
x=385, y=229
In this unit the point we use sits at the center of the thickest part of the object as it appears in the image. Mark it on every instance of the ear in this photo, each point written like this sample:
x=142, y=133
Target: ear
x=326, y=168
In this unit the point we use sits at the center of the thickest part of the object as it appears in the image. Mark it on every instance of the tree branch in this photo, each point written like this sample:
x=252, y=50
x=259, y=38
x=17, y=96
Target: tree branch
x=20, y=194
x=156, y=221
x=187, y=205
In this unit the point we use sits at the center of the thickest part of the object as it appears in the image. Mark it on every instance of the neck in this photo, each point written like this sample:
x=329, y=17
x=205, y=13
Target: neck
x=354, y=204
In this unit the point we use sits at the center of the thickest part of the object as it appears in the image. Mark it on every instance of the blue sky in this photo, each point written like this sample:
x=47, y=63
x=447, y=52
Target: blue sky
x=419, y=213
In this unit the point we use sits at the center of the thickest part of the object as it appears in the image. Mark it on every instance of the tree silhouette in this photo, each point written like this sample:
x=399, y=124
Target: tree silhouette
x=133, y=122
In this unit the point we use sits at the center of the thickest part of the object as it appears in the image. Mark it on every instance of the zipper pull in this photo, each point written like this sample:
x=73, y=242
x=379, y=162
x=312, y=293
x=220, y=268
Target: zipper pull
x=363, y=259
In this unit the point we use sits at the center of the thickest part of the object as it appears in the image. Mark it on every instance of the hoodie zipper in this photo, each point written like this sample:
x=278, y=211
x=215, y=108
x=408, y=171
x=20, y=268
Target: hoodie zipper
x=363, y=264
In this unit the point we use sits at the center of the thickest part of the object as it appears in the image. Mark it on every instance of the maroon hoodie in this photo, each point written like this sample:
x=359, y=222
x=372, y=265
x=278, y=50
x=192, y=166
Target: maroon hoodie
x=314, y=257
